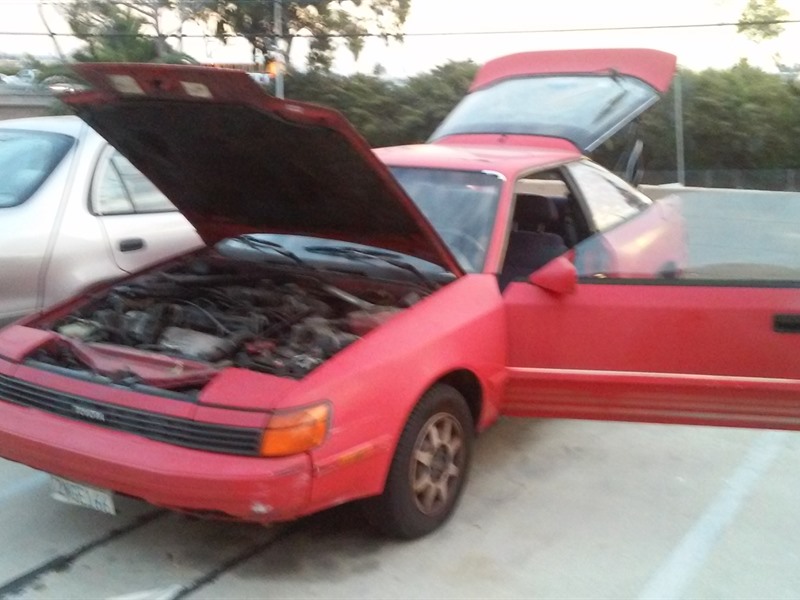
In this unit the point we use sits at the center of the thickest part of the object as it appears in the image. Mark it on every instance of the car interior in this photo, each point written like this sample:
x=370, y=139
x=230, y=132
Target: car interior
x=544, y=226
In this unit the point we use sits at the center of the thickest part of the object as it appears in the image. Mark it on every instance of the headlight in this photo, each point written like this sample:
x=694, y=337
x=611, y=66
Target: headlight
x=296, y=430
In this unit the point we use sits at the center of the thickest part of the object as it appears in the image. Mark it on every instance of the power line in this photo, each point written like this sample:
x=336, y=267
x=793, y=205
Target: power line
x=445, y=33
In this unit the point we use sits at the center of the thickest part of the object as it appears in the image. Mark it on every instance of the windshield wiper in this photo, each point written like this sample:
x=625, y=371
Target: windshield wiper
x=265, y=245
x=613, y=102
x=262, y=245
x=366, y=255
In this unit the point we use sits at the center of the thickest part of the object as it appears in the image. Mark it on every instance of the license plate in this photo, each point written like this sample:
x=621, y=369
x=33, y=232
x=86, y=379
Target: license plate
x=79, y=494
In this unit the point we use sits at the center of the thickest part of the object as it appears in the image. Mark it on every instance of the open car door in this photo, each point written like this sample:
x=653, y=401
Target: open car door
x=713, y=341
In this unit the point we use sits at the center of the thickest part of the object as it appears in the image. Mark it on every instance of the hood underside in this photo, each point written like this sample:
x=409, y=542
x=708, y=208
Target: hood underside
x=235, y=160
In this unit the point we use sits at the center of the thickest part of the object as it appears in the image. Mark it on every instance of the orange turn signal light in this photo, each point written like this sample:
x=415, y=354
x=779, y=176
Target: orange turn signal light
x=296, y=431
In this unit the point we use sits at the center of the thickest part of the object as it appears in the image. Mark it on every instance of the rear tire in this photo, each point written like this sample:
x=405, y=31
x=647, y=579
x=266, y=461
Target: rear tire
x=429, y=468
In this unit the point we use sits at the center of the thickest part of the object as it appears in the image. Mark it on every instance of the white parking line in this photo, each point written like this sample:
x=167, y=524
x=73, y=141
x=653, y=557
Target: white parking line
x=167, y=593
x=671, y=579
x=22, y=486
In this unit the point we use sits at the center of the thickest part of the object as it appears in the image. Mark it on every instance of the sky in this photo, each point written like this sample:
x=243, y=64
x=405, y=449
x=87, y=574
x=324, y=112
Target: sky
x=484, y=29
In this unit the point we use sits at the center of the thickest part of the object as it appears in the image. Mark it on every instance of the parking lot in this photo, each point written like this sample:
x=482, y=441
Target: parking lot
x=555, y=509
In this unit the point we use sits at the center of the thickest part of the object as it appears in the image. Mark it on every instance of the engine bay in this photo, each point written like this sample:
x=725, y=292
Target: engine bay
x=223, y=312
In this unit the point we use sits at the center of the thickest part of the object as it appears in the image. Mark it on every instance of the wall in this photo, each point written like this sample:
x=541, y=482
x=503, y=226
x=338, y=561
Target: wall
x=16, y=102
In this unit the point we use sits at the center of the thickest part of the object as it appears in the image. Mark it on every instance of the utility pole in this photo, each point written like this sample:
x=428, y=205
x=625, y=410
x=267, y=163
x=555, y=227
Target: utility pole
x=50, y=32
x=278, y=32
x=679, y=149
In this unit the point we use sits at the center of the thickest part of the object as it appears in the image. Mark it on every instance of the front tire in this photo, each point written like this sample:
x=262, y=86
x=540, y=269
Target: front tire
x=429, y=468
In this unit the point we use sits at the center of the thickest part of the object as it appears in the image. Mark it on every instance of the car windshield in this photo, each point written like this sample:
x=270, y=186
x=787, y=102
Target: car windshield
x=726, y=237
x=461, y=206
x=26, y=160
x=585, y=109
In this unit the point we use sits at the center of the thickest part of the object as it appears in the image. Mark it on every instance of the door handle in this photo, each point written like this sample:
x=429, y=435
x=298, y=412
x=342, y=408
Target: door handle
x=131, y=244
x=786, y=323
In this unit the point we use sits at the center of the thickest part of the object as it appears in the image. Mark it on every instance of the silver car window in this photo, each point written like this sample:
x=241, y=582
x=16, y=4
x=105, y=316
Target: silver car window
x=27, y=158
x=122, y=189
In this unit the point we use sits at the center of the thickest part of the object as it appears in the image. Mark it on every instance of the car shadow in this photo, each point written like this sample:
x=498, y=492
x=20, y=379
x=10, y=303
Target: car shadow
x=506, y=445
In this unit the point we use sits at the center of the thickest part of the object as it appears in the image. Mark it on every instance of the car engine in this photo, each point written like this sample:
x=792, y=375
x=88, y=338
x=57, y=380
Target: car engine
x=230, y=313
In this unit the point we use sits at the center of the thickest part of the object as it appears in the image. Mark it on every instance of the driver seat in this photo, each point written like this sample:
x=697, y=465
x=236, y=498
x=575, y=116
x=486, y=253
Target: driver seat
x=530, y=246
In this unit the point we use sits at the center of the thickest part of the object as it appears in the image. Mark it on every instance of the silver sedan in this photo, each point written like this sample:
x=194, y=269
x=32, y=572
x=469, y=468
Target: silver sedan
x=74, y=212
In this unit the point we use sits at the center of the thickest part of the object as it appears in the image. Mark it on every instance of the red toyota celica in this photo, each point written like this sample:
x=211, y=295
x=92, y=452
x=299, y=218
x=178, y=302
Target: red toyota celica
x=357, y=316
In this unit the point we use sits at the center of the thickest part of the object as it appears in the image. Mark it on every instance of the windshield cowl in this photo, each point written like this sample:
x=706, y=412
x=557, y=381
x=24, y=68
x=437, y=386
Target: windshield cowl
x=320, y=257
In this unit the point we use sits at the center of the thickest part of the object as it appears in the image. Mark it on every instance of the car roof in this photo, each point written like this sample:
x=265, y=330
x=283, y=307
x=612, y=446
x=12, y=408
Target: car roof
x=507, y=160
x=67, y=124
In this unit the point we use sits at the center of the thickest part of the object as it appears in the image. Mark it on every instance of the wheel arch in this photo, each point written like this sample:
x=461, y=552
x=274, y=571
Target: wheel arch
x=469, y=386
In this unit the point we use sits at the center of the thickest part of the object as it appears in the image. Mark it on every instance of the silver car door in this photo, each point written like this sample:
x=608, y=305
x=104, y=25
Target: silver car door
x=140, y=223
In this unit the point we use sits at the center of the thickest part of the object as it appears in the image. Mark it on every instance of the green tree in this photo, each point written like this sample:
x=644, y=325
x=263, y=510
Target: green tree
x=429, y=97
x=113, y=29
x=761, y=20
x=737, y=118
x=385, y=112
x=368, y=102
x=111, y=32
x=325, y=22
x=742, y=118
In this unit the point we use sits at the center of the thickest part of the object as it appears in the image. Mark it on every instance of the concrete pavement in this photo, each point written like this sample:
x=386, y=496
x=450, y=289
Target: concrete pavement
x=554, y=509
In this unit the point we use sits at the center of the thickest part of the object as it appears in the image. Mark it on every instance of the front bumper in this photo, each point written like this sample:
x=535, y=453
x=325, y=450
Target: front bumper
x=247, y=488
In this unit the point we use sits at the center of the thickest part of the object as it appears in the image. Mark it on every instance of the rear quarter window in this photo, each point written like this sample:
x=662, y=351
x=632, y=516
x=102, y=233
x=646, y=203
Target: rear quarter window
x=121, y=189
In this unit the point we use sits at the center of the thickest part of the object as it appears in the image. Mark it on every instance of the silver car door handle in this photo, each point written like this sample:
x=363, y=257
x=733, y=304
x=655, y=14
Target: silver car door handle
x=131, y=244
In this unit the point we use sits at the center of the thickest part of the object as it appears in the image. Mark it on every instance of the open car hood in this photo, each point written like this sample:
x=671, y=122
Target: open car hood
x=583, y=96
x=235, y=160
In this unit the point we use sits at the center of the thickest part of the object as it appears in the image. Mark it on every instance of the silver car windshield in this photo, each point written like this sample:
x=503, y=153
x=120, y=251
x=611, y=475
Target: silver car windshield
x=26, y=160
x=461, y=206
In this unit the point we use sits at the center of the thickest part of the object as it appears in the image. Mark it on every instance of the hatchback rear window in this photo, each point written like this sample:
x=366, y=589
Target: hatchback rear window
x=27, y=158
x=584, y=109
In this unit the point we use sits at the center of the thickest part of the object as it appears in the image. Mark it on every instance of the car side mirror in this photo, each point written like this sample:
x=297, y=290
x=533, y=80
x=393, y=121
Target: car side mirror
x=558, y=276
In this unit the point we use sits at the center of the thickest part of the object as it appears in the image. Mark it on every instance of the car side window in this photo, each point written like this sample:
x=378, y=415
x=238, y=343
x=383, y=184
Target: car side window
x=120, y=188
x=610, y=200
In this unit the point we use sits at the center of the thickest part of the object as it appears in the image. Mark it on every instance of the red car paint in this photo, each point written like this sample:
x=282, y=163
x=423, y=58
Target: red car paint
x=629, y=343
x=652, y=66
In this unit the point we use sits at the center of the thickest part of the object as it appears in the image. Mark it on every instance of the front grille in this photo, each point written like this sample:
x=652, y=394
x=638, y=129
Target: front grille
x=225, y=439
